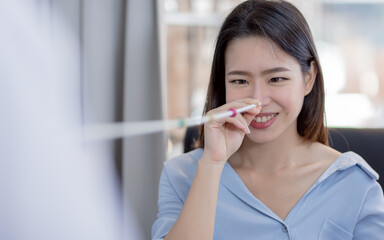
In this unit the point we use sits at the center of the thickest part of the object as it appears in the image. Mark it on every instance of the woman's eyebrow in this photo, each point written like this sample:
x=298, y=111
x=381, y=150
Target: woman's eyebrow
x=239, y=72
x=265, y=72
x=275, y=70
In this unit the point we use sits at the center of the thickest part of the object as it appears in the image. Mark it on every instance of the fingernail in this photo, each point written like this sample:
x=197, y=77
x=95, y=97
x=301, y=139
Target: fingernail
x=247, y=131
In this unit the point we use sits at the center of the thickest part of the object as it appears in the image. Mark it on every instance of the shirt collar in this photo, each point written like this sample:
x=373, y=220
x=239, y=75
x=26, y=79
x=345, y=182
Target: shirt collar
x=347, y=160
x=233, y=182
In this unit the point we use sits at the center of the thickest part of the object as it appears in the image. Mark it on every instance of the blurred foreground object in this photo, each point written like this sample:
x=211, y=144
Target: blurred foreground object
x=52, y=186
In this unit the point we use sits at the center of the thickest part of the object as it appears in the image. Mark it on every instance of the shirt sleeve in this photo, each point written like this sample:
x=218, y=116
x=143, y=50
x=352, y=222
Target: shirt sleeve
x=370, y=224
x=170, y=206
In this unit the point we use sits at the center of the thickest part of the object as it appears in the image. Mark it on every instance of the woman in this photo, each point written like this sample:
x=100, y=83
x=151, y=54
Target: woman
x=267, y=173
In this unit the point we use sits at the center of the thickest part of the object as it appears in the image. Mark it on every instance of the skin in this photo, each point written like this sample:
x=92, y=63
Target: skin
x=275, y=163
x=257, y=68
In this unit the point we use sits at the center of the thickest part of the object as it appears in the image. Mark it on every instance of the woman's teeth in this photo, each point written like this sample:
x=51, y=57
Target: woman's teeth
x=264, y=118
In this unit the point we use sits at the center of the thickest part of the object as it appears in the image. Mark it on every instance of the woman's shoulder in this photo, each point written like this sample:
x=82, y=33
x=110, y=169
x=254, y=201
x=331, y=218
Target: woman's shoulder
x=352, y=159
x=179, y=172
x=350, y=164
x=184, y=165
x=322, y=152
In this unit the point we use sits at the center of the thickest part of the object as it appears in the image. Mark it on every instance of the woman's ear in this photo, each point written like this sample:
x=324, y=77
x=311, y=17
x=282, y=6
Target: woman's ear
x=310, y=78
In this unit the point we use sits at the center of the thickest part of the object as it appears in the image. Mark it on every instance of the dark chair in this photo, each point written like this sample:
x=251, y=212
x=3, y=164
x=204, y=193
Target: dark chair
x=368, y=143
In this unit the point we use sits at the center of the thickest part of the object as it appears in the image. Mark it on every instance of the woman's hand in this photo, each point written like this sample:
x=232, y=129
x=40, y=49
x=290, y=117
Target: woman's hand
x=223, y=137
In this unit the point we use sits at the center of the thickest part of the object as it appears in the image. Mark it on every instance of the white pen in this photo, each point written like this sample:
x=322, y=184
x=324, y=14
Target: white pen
x=118, y=130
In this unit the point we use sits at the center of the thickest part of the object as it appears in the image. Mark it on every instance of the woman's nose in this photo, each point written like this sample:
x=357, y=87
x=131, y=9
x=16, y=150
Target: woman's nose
x=261, y=93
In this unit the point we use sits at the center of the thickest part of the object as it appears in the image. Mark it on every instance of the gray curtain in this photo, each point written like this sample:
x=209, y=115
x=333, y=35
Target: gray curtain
x=143, y=155
x=121, y=81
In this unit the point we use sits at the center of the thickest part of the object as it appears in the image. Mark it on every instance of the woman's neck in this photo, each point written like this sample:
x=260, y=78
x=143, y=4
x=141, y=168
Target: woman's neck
x=282, y=153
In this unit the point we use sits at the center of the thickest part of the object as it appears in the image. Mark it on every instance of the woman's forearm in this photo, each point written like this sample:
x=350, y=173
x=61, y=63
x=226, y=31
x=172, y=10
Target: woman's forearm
x=197, y=218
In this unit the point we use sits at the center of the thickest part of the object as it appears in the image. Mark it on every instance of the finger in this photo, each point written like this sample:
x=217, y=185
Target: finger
x=237, y=104
x=251, y=114
x=244, y=122
x=250, y=101
x=221, y=113
x=236, y=119
x=239, y=122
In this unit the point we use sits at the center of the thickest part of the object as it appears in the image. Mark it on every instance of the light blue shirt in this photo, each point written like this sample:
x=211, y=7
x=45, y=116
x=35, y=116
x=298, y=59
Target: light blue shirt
x=346, y=202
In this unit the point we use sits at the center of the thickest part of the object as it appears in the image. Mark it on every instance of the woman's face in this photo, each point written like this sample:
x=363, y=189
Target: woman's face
x=257, y=68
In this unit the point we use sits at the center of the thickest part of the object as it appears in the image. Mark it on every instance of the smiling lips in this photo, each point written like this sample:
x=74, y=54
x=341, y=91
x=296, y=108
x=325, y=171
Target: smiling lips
x=263, y=120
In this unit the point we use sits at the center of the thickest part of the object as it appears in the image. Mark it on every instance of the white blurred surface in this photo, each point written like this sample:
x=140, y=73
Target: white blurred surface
x=52, y=186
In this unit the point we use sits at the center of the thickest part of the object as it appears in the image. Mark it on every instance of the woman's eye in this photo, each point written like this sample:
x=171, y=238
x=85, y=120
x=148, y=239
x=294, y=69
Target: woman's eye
x=239, y=81
x=277, y=79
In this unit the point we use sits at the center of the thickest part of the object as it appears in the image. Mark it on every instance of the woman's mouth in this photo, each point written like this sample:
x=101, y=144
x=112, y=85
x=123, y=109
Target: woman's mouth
x=263, y=120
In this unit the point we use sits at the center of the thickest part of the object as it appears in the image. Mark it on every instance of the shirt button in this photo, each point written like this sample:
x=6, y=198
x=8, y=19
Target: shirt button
x=285, y=229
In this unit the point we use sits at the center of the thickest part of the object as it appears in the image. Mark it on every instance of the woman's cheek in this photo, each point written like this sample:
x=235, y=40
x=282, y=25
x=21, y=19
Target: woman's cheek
x=291, y=101
x=232, y=95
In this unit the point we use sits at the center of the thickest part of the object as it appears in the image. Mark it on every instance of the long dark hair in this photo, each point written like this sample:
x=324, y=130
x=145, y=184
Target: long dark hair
x=282, y=23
